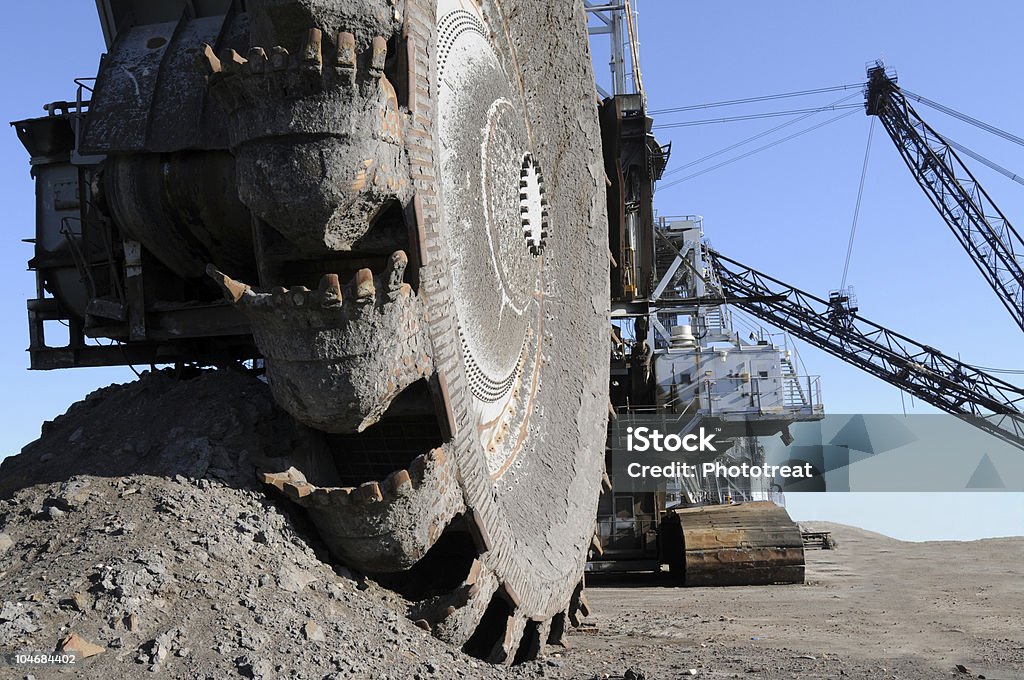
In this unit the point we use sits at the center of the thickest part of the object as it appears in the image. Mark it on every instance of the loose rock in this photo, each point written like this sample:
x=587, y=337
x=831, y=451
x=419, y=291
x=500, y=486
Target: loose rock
x=79, y=646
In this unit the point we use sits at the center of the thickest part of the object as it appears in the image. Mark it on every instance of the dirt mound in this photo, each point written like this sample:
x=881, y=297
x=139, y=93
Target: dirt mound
x=218, y=424
x=134, y=530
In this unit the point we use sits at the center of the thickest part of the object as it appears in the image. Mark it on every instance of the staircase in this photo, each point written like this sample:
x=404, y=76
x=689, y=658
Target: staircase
x=793, y=392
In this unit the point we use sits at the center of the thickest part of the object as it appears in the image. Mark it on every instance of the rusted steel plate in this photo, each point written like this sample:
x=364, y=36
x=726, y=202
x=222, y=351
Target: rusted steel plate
x=149, y=94
x=744, y=544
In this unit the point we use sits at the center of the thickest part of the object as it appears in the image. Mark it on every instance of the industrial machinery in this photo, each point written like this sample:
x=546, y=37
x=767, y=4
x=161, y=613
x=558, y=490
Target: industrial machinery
x=662, y=368
x=289, y=185
x=971, y=393
x=992, y=243
x=354, y=195
x=968, y=392
x=413, y=217
x=676, y=357
x=679, y=362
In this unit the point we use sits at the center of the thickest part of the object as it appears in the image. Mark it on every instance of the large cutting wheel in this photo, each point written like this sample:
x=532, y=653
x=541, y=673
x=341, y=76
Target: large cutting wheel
x=488, y=142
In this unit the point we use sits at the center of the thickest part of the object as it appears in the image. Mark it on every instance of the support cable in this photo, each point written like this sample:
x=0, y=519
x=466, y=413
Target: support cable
x=759, y=135
x=754, y=116
x=748, y=100
x=981, y=159
x=1008, y=371
x=757, y=150
x=856, y=208
x=964, y=117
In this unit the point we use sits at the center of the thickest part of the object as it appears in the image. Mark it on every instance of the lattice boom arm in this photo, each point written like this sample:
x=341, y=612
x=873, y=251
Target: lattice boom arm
x=947, y=383
x=977, y=222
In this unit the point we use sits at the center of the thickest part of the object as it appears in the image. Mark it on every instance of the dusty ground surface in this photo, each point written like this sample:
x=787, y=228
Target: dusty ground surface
x=134, y=523
x=873, y=608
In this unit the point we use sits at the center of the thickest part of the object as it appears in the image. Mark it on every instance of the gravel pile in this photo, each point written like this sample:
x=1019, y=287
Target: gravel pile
x=133, y=534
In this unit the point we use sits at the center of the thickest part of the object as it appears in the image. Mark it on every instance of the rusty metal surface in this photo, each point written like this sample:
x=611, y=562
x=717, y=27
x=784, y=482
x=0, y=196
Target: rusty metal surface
x=184, y=208
x=46, y=138
x=752, y=543
x=149, y=96
x=339, y=355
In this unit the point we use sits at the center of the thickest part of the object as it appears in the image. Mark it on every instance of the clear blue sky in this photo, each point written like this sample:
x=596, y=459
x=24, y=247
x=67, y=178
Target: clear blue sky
x=786, y=211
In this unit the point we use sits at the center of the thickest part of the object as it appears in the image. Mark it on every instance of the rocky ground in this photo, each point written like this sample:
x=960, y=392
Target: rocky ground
x=873, y=608
x=194, y=579
x=191, y=569
x=134, y=534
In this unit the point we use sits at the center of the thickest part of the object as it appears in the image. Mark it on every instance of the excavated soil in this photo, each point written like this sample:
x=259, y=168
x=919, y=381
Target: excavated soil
x=136, y=524
x=874, y=607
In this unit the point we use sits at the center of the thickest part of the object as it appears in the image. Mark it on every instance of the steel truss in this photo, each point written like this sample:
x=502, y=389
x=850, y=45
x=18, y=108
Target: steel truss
x=963, y=390
x=978, y=224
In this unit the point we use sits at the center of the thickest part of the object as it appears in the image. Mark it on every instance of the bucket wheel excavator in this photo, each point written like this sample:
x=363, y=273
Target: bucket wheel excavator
x=398, y=209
